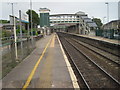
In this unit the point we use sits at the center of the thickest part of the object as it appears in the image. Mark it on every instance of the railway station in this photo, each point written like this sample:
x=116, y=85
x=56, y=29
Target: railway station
x=66, y=51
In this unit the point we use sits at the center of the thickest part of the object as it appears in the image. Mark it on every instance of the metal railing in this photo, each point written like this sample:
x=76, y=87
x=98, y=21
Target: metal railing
x=24, y=48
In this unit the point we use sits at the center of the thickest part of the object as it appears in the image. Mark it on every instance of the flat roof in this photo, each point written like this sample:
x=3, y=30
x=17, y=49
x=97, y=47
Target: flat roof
x=24, y=21
x=67, y=14
x=66, y=24
x=61, y=14
x=111, y=22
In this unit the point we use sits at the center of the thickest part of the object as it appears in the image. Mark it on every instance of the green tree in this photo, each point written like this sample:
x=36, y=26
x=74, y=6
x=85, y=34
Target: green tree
x=35, y=18
x=6, y=33
x=98, y=22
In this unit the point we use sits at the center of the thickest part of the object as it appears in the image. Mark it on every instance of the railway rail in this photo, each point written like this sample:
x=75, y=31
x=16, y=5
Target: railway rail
x=111, y=57
x=95, y=70
x=106, y=48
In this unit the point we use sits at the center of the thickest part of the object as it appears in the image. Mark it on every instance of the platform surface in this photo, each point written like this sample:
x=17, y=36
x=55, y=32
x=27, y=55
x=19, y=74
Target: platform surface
x=113, y=41
x=52, y=71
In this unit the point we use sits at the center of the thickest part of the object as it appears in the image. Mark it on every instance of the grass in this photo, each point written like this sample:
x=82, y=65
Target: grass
x=8, y=68
x=9, y=61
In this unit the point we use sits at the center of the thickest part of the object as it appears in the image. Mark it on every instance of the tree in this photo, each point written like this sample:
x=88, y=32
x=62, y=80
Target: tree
x=35, y=18
x=98, y=22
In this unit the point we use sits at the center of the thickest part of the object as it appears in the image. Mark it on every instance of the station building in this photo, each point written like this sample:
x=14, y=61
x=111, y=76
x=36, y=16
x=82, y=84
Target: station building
x=44, y=20
x=44, y=17
x=74, y=23
x=110, y=30
x=115, y=24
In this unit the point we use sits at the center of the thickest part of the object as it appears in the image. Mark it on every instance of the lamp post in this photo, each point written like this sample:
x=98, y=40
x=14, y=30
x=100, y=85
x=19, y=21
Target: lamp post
x=79, y=25
x=107, y=11
x=119, y=10
x=14, y=29
x=31, y=22
x=31, y=17
x=20, y=19
x=104, y=20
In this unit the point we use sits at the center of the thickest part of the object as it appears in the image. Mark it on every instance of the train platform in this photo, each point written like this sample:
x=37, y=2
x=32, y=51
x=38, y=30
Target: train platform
x=112, y=41
x=107, y=40
x=46, y=67
x=98, y=38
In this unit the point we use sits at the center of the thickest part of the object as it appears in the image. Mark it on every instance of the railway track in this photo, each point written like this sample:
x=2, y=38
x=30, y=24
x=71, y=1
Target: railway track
x=111, y=57
x=85, y=61
x=109, y=65
x=116, y=54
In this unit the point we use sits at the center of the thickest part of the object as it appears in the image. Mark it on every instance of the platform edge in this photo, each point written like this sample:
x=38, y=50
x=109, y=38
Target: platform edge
x=71, y=72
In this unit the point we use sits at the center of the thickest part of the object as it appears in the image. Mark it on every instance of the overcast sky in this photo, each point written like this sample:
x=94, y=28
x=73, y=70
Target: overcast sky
x=94, y=8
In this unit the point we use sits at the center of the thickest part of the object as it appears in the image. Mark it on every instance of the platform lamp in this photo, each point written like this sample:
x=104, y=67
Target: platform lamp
x=14, y=29
x=31, y=22
x=107, y=11
x=79, y=25
x=104, y=19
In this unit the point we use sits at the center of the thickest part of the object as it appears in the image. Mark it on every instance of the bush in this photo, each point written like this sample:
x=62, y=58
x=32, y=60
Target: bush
x=6, y=33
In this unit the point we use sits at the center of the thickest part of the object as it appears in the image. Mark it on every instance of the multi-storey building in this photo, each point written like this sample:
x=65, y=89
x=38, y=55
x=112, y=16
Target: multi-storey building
x=44, y=17
x=64, y=21
x=112, y=25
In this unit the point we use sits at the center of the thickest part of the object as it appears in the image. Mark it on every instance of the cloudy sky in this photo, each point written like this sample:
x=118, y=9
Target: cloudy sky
x=94, y=8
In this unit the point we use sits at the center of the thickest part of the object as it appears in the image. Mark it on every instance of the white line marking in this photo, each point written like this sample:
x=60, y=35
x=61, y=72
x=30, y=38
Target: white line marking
x=72, y=75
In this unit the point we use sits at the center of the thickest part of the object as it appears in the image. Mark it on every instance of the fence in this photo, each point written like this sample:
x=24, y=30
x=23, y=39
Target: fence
x=24, y=48
x=112, y=34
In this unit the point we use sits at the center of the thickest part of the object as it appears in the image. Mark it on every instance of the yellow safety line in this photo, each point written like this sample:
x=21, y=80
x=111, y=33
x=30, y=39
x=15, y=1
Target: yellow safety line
x=35, y=67
x=53, y=42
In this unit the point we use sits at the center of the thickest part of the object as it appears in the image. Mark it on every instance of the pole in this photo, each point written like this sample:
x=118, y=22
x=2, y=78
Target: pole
x=104, y=20
x=119, y=10
x=31, y=21
x=20, y=24
x=21, y=33
x=14, y=29
x=79, y=24
x=28, y=29
x=107, y=11
x=15, y=38
x=31, y=17
x=12, y=9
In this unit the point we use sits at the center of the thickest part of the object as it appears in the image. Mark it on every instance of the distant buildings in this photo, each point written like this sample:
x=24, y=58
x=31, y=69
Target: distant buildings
x=112, y=25
x=115, y=24
x=44, y=17
x=75, y=23
x=9, y=25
